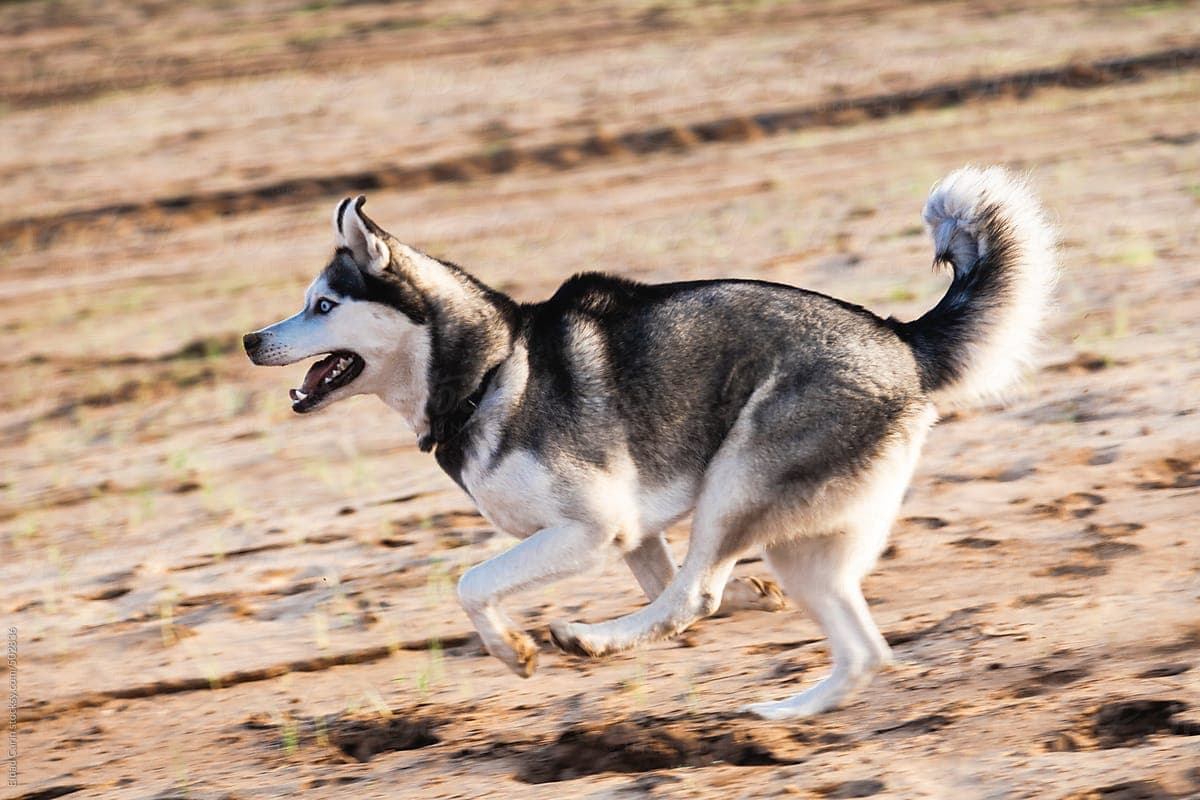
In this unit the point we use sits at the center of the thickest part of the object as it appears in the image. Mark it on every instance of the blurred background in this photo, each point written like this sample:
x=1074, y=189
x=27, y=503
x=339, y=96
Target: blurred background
x=208, y=596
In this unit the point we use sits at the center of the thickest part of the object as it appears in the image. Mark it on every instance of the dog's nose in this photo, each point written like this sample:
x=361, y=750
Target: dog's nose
x=251, y=341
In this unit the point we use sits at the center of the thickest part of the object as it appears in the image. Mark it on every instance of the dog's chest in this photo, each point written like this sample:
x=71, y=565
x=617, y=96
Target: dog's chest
x=522, y=494
x=519, y=495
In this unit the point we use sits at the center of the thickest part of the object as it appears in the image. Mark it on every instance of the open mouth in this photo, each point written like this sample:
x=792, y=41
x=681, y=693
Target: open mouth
x=332, y=372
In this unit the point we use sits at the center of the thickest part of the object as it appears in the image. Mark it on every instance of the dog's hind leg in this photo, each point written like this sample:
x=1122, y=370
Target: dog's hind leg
x=824, y=573
x=653, y=566
x=820, y=573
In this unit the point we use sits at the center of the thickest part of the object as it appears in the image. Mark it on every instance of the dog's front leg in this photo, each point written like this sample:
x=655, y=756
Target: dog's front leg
x=549, y=555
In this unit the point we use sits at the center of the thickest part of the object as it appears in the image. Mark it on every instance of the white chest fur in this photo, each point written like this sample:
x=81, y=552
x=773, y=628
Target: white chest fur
x=518, y=495
x=522, y=495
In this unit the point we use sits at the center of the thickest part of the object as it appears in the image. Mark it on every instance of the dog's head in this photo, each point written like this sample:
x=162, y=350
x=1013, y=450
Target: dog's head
x=368, y=314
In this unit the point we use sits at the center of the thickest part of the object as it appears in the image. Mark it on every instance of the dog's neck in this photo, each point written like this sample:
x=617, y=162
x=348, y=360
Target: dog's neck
x=472, y=328
x=446, y=427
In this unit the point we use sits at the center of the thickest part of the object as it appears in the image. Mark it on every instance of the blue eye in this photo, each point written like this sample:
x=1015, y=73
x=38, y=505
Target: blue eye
x=325, y=305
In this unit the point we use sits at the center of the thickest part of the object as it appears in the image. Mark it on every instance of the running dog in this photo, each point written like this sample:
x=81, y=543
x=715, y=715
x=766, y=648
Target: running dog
x=788, y=423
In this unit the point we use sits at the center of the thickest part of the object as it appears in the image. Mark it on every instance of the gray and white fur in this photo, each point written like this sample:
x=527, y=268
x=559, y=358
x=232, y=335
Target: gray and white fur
x=786, y=422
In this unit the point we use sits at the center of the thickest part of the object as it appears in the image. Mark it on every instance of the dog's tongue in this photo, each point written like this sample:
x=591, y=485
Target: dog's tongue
x=317, y=372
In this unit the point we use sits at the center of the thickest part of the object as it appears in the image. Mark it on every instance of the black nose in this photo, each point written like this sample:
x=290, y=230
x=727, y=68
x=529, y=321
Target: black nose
x=251, y=341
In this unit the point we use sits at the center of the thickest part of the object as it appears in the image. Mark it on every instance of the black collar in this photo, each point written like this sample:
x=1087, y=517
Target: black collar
x=444, y=427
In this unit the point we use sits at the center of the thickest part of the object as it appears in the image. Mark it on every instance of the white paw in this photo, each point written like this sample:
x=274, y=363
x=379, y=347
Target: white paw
x=785, y=709
x=825, y=696
x=762, y=710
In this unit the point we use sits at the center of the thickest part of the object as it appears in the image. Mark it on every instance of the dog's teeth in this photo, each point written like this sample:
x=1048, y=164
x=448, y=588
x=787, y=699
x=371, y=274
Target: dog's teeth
x=297, y=395
x=337, y=370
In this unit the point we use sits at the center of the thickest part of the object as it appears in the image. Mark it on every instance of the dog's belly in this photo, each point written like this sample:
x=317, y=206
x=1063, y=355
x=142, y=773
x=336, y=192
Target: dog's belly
x=660, y=506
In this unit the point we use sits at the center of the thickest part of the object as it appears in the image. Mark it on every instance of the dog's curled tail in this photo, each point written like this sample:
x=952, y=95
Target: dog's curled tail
x=988, y=226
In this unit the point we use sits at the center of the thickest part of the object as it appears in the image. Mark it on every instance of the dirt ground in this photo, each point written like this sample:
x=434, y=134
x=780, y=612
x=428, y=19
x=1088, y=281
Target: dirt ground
x=211, y=597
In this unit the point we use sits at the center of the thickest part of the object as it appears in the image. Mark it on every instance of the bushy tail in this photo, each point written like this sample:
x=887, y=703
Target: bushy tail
x=988, y=226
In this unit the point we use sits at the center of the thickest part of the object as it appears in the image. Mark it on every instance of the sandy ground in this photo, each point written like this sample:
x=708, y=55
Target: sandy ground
x=214, y=598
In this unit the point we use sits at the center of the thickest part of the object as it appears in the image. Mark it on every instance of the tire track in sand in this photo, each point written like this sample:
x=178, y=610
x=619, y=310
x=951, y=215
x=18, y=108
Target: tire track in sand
x=167, y=212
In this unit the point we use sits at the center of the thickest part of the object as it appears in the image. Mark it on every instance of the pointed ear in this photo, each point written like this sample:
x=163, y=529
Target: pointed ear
x=339, y=213
x=355, y=230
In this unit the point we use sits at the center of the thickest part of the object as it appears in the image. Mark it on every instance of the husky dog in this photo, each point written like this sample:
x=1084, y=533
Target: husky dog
x=786, y=422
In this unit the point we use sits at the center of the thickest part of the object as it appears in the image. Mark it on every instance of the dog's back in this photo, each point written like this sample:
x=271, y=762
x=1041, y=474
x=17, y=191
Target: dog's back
x=666, y=369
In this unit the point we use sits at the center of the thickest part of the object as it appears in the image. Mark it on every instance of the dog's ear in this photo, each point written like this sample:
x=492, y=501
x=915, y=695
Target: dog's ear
x=339, y=213
x=358, y=233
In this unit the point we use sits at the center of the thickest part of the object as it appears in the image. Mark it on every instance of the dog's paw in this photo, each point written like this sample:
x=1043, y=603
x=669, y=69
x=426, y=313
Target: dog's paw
x=770, y=594
x=524, y=653
x=792, y=708
x=826, y=695
x=772, y=711
x=565, y=638
x=753, y=594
